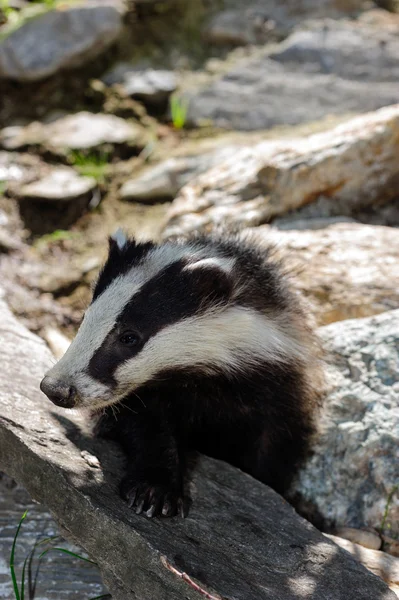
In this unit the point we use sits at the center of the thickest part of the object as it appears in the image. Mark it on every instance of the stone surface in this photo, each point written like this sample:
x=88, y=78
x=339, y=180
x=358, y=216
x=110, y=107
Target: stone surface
x=152, y=87
x=80, y=131
x=346, y=270
x=373, y=53
x=164, y=181
x=240, y=540
x=18, y=168
x=60, y=577
x=253, y=21
x=366, y=538
x=61, y=184
x=55, y=200
x=327, y=70
x=69, y=37
x=355, y=466
x=379, y=563
x=351, y=167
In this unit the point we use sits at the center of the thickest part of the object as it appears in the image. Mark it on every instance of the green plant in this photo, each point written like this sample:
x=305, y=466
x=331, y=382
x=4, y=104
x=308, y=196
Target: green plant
x=19, y=590
x=55, y=236
x=9, y=12
x=90, y=165
x=387, y=506
x=178, y=111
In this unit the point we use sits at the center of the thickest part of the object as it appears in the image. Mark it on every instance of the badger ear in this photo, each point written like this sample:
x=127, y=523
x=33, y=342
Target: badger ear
x=117, y=240
x=212, y=277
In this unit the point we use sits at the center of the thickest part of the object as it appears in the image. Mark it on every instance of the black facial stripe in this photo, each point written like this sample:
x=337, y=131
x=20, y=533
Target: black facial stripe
x=172, y=295
x=119, y=262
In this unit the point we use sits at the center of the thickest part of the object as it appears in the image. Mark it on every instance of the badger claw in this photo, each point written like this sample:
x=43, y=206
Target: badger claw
x=152, y=500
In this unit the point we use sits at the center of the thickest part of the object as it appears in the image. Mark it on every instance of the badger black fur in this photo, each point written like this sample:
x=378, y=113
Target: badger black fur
x=203, y=345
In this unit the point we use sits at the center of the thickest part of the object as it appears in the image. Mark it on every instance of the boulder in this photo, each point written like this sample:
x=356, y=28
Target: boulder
x=67, y=36
x=373, y=51
x=345, y=270
x=307, y=77
x=351, y=477
x=55, y=200
x=379, y=563
x=151, y=86
x=61, y=184
x=350, y=167
x=18, y=168
x=240, y=539
x=82, y=131
x=164, y=180
x=243, y=22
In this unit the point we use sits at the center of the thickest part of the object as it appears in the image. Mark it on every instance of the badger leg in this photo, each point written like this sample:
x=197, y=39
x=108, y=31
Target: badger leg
x=153, y=483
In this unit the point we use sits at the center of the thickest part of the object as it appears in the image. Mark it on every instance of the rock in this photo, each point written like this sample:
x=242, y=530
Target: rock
x=252, y=25
x=350, y=479
x=373, y=53
x=361, y=537
x=164, y=181
x=346, y=270
x=254, y=21
x=351, y=167
x=150, y=86
x=378, y=563
x=70, y=36
x=8, y=243
x=57, y=341
x=62, y=184
x=18, y=168
x=80, y=131
x=231, y=516
x=307, y=77
x=390, y=545
x=56, y=200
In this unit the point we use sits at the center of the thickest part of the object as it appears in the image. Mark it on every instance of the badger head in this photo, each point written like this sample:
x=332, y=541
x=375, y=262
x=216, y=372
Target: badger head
x=147, y=315
x=158, y=309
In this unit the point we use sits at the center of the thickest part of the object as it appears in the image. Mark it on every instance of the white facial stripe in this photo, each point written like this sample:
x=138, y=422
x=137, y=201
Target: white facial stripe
x=220, y=262
x=229, y=340
x=101, y=316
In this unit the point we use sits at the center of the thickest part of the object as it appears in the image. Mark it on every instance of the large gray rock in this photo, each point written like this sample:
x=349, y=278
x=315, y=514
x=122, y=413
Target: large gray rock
x=240, y=540
x=164, y=181
x=350, y=167
x=66, y=37
x=80, y=131
x=352, y=51
x=254, y=21
x=346, y=270
x=55, y=199
x=151, y=86
x=324, y=71
x=355, y=465
x=60, y=184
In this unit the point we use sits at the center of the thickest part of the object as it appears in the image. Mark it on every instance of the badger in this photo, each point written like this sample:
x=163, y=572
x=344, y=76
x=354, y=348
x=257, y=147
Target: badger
x=204, y=346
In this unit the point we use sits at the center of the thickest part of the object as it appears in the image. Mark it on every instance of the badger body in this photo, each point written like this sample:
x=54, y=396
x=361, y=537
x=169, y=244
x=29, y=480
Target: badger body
x=203, y=345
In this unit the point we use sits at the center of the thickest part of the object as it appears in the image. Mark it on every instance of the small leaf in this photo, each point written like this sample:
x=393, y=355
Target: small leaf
x=12, y=559
x=70, y=554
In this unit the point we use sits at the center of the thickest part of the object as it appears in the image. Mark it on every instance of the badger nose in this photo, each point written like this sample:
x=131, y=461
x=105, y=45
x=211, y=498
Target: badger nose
x=59, y=392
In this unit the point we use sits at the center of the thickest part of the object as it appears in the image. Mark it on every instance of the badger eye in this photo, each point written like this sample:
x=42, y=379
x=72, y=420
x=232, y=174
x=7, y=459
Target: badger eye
x=129, y=339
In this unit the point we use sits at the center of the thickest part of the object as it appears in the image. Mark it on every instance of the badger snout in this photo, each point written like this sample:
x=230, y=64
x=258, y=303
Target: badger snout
x=62, y=394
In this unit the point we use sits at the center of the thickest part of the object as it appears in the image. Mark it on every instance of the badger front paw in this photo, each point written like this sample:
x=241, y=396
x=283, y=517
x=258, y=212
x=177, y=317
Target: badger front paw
x=153, y=499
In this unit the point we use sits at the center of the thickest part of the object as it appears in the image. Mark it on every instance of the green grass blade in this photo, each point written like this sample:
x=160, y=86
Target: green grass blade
x=102, y=596
x=12, y=559
x=70, y=554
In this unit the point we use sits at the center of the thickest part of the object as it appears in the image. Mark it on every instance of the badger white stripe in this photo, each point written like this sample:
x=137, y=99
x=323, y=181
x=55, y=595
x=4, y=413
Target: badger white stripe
x=229, y=340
